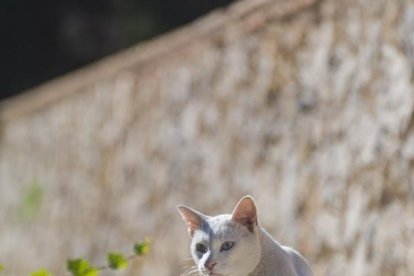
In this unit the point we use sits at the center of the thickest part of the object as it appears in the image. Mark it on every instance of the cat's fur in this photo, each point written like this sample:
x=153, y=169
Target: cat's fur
x=252, y=251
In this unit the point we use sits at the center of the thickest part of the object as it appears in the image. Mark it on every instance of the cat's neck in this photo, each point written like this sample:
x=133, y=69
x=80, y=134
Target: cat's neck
x=272, y=255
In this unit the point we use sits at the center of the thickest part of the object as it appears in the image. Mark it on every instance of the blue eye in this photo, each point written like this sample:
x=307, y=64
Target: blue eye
x=201, y=248
x=226, y=246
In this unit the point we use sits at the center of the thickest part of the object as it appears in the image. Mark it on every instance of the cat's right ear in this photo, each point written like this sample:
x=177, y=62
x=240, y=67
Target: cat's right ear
x=193, y=218
x=245, y=213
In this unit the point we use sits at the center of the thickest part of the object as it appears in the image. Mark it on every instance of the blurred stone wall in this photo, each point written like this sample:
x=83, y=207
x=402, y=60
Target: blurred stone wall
x=306, y=105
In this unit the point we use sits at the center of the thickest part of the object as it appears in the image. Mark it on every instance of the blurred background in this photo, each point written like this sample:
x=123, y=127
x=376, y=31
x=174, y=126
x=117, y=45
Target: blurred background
x=40, y=42
x=307, y=105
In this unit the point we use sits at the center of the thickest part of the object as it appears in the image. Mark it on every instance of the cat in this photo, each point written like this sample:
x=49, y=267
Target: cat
x=236, y=245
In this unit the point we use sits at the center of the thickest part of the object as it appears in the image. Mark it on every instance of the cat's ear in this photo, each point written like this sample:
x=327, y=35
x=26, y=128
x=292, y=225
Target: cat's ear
x=245, y=213
x=193, y=218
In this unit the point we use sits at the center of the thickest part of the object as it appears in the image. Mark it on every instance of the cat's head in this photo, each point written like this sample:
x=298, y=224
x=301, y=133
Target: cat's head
x=225, y=244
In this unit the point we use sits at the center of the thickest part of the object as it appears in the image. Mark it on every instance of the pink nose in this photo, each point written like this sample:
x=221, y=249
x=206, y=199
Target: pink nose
x=210, y=265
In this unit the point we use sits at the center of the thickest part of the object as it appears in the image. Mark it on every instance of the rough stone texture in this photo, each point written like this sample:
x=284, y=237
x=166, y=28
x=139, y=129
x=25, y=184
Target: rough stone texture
x=306, y=105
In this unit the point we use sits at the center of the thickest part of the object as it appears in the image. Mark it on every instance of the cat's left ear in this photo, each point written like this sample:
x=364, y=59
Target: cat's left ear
x=245, y=213
x=193, y=218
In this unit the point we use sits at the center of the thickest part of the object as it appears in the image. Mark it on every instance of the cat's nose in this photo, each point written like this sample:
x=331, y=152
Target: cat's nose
x=210, y=265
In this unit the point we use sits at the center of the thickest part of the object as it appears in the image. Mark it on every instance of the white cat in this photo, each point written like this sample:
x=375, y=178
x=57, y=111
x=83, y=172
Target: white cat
x=236, y=245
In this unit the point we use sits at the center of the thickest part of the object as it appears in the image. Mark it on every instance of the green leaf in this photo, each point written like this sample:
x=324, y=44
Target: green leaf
x=77, y=266
x=41, y=272
x=1, y=267
x=81, y=267
x=31, y=201
x=143, y=247
x=117, y=261
x=90, y=272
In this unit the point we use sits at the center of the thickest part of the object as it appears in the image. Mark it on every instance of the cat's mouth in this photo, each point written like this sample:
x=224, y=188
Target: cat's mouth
x=211, y=273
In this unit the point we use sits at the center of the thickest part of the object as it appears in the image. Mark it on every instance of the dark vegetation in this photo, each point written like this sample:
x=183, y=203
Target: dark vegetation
x=42, y=40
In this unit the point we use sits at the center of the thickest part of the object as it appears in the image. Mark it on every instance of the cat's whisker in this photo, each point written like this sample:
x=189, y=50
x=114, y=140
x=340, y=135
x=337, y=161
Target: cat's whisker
x=188, y=267
x=191, y=266
x=193, y=272
x=190, y=270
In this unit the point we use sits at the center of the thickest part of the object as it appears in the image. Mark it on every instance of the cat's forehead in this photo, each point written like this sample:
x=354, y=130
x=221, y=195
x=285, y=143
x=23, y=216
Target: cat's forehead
x=220, y=222
x=222, y=227
x=219, y=228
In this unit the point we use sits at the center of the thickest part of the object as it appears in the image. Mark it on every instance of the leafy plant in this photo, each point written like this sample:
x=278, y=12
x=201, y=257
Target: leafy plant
x=32, y=200
x=143, y=247
x=41, y=272
x=81, y=267
x=117, y=261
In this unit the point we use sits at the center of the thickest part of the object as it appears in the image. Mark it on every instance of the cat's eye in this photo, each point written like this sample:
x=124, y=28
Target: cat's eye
x=201, y=248
x=226, y=246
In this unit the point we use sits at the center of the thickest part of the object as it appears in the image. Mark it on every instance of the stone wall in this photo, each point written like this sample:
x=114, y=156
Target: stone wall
x=306, y=105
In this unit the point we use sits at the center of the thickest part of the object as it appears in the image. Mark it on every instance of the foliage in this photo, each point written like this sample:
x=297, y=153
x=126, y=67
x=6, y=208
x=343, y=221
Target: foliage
x=74, y=33
x=143, y=247
x=81, y=267
x=117, y=261
x=41, y=272
x=32, y=200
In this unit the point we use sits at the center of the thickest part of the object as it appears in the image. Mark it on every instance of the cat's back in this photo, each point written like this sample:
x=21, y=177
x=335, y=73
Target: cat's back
x=279, y=260
x=300, y=264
